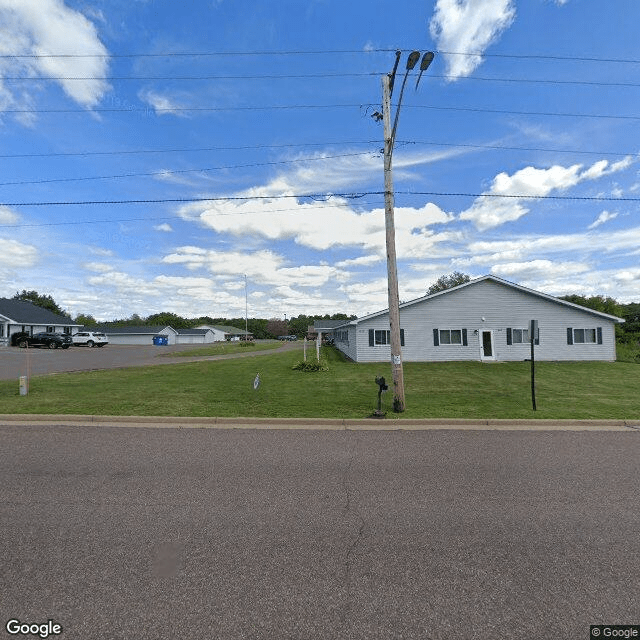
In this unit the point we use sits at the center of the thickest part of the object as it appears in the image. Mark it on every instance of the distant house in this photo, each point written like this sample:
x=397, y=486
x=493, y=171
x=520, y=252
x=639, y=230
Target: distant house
x=18, y=316
x=195, y=336
x=140, y=335
x=486, y=319
x=323, y=328
x=223, y=333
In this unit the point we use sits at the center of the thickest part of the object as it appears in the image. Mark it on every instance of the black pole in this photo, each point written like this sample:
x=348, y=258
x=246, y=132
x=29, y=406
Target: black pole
x=532, y=336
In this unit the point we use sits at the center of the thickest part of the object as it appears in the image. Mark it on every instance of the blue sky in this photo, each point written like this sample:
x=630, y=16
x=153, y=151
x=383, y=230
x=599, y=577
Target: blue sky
x=259, y=156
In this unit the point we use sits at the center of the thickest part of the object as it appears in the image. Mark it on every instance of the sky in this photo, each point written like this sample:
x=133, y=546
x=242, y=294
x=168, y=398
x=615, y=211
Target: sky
x=215, y=158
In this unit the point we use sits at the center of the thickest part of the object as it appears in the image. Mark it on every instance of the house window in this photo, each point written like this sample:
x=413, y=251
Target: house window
x=50, y=329
x=450, y=337
x=520, y=336
x=380, y=337
x=584, y=336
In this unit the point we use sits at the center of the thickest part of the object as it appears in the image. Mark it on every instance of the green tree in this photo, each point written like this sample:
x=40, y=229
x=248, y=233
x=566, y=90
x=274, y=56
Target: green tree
x=448, y=281
x=44, y=301
x=86, y=320
x=166, y=318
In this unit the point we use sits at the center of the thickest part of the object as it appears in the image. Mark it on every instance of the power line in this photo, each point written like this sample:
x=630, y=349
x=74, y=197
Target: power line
x=255, y=147
x=515, y=148
x=317, y=197
x=201, y=54
x=315, y=76
x=323, y=106
x=329, y=143
x=182, y=171
x=535, y=56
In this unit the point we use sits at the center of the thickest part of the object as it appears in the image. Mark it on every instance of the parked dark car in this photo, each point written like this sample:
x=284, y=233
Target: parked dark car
x=43, y=339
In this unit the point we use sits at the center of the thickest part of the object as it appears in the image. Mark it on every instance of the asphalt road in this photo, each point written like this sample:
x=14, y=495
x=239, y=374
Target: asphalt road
x=142, y=533
x=15, y=362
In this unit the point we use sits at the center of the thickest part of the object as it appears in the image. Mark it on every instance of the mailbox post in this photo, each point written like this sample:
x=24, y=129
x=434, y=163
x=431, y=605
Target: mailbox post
x=382, y=386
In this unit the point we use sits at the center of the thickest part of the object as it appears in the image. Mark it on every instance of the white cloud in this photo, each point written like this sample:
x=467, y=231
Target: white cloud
x=45, y=28
x=469, y=26
x=16, y=254
x=605, y=216
x=490, y=211
x=533, y=269
x=7, y=216
x=318, y=226
x=261, y=267
x=164, y=227
x=162, y=104
x=536, y=246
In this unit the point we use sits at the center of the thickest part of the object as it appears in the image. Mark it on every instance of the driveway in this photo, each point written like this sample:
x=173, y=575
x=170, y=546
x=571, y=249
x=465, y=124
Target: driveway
x=36, y=362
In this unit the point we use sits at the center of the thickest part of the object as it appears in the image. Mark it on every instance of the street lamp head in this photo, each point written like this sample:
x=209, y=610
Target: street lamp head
x=427, y=59
x=414, y=56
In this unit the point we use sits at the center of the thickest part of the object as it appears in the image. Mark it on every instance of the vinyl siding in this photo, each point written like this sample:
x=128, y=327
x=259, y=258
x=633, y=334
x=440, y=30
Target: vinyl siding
x=488, y=306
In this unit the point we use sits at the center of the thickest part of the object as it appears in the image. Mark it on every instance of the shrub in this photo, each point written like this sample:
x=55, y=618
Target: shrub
x=311, y=365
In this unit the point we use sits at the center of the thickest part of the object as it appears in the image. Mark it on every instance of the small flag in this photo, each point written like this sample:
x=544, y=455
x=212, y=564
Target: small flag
x=256, y=382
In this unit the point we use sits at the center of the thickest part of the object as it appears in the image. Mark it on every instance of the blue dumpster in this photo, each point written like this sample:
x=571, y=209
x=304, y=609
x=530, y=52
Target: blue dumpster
x=160, y=340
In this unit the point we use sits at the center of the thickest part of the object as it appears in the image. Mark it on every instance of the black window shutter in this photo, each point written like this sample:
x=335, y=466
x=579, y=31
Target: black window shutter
x=402, y=337
x=569, y=335
x=599, y=335
x=464, y=338
x=371, y=337
x=509, y=336
x=436, y=338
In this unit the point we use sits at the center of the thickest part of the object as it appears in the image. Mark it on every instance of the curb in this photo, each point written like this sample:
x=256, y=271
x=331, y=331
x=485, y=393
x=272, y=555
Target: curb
x=325, y=424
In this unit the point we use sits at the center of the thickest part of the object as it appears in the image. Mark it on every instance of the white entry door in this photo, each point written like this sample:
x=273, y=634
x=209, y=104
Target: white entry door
x=487, y=351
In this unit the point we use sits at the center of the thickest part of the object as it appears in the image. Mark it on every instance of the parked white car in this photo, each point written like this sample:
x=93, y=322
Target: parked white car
x=90, y=338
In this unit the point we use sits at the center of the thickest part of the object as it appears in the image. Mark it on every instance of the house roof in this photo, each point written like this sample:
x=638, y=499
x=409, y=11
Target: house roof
x=22, y=312
x=490, y=278
x=232, y=330
x=136, y=330
x=193, y=332
x=324, y=325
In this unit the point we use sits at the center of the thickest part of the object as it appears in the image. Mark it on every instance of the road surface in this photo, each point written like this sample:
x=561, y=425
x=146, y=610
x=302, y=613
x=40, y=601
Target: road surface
x=143, y=533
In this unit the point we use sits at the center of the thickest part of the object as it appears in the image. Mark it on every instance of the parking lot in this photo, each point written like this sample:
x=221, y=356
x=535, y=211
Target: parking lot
x=36, y=362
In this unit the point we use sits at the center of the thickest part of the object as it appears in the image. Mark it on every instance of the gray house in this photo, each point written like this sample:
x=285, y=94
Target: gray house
x=18, y=316
x=486, y=319
x=139, y=335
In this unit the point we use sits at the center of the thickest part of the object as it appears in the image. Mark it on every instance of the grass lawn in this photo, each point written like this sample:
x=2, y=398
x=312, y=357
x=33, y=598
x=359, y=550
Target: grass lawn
x=347, y=390
x=226, y=348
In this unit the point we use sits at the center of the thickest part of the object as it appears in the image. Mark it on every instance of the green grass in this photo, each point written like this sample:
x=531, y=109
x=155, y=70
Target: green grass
x=226, y=348
x=347, y=390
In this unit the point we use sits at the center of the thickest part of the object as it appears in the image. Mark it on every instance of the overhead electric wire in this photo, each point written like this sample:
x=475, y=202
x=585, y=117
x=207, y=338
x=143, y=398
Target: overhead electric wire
x=316, y=197
x=316, y=76
x=329, y=143
x=182, y=171
x=325, y=106
x=253, y=147
x=301, y=52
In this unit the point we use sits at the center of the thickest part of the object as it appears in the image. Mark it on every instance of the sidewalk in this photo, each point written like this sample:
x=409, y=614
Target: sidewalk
x=369, y=424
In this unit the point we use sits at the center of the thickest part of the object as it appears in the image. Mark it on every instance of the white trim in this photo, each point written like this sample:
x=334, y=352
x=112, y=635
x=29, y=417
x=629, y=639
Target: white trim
x=484, y=357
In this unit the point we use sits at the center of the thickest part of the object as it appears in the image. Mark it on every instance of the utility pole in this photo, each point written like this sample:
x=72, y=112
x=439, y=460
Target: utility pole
x=397, y=372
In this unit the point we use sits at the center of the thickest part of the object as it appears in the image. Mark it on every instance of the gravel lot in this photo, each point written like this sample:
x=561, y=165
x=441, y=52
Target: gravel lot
x=36, y=362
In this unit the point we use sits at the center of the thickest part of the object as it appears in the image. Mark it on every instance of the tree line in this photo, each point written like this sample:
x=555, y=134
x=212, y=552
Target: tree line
x=262, y=328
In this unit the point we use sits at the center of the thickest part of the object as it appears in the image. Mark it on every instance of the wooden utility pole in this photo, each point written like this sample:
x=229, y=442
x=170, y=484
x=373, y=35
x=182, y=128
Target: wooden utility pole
x=397, y=372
